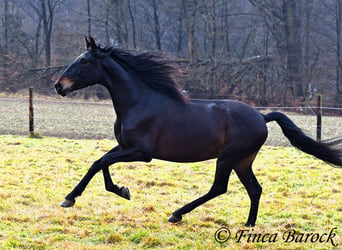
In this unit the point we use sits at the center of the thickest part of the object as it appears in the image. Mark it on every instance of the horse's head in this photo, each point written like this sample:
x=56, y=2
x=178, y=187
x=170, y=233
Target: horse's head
x=84, y=71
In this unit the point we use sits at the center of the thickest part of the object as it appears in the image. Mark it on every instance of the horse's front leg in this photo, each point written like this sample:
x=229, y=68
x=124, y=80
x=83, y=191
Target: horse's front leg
x=111, y=187
x=113, y=156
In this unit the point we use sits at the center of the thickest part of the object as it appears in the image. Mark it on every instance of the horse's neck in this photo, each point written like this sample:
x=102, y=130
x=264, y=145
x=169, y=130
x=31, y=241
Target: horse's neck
x=127, y=93
x=120, y=84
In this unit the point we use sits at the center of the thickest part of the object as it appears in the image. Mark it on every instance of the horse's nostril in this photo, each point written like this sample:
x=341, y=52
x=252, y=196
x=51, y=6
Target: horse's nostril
x=58, y=86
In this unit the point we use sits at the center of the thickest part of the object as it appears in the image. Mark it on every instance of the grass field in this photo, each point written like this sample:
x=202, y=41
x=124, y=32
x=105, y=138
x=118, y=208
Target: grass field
x=299, y=193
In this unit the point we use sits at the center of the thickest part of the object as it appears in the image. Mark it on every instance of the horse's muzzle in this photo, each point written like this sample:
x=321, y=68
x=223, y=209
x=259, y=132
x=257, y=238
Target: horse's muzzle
x=64, y=85
x=59, y=89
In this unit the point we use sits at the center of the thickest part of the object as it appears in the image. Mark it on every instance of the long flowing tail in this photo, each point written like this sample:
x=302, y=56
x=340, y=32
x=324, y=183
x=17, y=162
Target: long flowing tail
x=327, y=152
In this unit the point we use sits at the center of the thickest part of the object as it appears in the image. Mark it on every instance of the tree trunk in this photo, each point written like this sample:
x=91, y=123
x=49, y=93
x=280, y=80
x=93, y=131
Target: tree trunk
x=307, y=45
x=180, y=34
x=156, y=24
x=5, y=25
x=262, y=77
x=190, y=21
x=4, y=48
x=133, y=24
x=213, y=29
x=338, y=45
x=108, y=5
x=89, y=18
x=226, y=24
x=118, y=22
x=294, y=54
x=124, y=24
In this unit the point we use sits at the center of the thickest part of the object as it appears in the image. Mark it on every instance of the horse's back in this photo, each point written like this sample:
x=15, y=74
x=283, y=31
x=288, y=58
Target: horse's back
x=238, y=113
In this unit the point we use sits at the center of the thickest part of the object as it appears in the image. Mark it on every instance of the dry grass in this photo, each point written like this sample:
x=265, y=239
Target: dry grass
x=58, y=117
x=94, y=120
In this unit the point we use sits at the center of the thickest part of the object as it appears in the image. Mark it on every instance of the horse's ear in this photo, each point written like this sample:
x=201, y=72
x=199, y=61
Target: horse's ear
x=87, y=43
x=92, y=43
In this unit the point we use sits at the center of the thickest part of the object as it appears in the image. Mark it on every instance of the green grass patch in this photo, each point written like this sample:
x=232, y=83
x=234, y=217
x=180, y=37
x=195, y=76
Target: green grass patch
x=299, y=192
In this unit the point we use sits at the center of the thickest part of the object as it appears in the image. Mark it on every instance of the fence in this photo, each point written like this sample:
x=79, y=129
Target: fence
x=94, y=120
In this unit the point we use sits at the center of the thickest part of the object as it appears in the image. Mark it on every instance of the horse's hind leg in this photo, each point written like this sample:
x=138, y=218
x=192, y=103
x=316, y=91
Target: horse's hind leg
x=254, y=190
x=223, y=170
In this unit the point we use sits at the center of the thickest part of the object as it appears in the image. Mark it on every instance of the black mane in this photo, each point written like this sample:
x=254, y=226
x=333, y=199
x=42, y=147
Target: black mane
x=154, y=69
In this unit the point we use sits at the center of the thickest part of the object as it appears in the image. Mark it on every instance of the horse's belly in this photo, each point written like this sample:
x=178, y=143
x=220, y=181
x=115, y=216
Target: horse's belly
x=184, y=157
x=189, y=150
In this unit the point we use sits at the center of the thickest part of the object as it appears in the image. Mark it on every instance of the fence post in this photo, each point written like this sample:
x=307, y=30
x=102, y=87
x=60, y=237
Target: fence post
x=31, y=120
x=319, y=118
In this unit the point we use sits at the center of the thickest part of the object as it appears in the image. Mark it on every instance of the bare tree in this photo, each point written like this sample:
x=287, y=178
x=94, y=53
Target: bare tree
x=292, y=23
x=4, y=47
x=338, y=45
x=133, y=23
x=225, y=26
x=10, y=51
x=156, y=23
x=152, y=18
x=285, y=23
x=89, y=17
x=226, y=45
x=189, y=15
x=307, y=42
x=45, y=10
x=210, y=9
x=5, y=25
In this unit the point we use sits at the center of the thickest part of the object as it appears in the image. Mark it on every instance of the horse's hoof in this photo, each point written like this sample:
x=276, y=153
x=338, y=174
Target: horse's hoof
x=174, y=219
x=67, y=203
x=125, y=193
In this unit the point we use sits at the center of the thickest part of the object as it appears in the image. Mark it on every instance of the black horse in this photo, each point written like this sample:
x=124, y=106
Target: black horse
x=155, y=120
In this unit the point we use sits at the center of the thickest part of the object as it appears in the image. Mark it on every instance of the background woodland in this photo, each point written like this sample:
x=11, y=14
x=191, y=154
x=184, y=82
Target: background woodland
x=265, y=52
